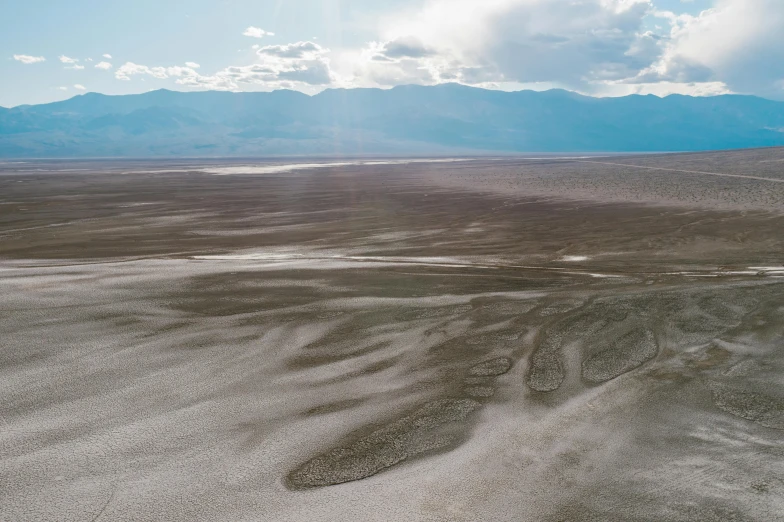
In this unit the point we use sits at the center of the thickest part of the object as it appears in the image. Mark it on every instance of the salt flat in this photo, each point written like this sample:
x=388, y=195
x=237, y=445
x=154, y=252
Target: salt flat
x=494, y=339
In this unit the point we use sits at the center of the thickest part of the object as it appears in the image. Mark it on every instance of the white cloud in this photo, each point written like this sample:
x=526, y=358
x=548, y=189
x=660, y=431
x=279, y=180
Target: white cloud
x=272, y=76
x=573, y=44
x=302, y=65
x=292, y=50
x=131, y=69
x=27, y=59
x=72, y=63
x=62, y=88
x=80, y=87
x=562, y=41
x=599, y=47
x=178, y=71
x=216, y=82
x=738, y=42
x=604, y=47
x=405, y=47
x=255, y=32
x=664, y=88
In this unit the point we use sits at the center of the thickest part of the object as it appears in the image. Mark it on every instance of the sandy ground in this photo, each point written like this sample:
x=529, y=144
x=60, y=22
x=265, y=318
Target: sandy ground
x=485, y=339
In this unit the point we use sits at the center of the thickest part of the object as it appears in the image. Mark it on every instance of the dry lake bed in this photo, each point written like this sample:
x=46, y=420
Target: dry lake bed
x=526, y=339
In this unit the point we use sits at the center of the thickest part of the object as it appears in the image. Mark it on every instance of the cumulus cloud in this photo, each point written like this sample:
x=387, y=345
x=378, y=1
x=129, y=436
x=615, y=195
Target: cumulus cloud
x=405, y=47
x=664, y=88
x=738, y=42
x=605, y=47
x=316, y=72
x=178, y=71
x=299, y=63
x=131, y=69
x=270, y=76
x=593, y=46
x=303, y=65
x=525, y=41
x=80, y=87
x=71, y=63
x=296, y=50
x=274, y=72
x=256, y=32
x=228, y=79
x=27, y=59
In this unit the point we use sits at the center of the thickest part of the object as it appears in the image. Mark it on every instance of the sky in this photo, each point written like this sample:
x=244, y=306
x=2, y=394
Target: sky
x=54, y=49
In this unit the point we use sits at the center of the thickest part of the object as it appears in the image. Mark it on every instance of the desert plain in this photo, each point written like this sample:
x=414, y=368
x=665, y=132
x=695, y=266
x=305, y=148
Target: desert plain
x=556, y=338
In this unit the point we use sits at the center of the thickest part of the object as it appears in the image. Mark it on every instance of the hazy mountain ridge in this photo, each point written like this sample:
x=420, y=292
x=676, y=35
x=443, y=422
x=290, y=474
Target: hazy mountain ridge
x=409, y=119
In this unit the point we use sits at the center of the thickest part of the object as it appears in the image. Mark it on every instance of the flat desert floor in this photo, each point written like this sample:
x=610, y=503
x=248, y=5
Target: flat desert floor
x=522, y=339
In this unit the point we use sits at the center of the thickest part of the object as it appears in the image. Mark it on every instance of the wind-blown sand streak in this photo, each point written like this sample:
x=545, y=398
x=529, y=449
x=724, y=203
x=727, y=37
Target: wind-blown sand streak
x=427, y=341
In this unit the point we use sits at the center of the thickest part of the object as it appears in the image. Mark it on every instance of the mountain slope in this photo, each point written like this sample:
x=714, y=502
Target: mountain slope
x=440, y=119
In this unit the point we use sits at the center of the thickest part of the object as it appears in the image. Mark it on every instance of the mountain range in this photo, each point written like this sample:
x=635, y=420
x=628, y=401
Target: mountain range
x=442, y=119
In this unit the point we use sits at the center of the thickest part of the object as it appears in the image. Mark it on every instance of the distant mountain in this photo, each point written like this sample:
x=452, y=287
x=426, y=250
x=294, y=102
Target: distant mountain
x=442, y=119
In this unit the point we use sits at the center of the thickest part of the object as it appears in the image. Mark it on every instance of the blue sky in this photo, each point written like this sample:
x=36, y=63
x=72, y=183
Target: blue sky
x=54, y=49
